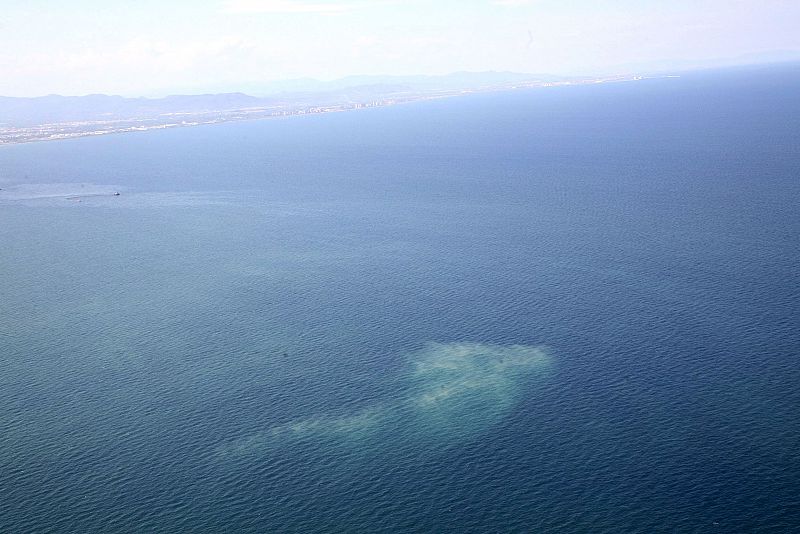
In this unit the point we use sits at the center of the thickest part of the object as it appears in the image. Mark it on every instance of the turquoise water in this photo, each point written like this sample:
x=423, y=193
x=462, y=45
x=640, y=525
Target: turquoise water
x=546, y=310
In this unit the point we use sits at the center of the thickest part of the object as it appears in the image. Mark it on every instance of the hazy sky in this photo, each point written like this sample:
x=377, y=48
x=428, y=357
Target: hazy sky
x=150, y=47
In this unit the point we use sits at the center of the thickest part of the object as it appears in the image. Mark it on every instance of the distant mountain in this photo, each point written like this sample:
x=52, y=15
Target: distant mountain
x=56, y=108
x=61, y=117
x=20, y=112
x=454, y=81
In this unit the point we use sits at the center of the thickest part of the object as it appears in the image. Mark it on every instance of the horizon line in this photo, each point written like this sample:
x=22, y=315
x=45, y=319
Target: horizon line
x=400, y=77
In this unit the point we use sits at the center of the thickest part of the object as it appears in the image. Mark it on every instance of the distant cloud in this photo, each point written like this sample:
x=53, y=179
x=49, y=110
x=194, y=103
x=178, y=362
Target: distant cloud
x=287, y=6
x=511, y=3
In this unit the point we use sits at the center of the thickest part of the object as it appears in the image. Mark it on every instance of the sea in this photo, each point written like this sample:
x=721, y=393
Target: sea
x=564, y=309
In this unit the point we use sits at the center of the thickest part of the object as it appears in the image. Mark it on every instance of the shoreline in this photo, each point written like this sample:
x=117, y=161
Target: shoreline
x=76, y=129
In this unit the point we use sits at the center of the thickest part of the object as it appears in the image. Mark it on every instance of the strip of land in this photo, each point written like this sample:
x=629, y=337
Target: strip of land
x=24, y=120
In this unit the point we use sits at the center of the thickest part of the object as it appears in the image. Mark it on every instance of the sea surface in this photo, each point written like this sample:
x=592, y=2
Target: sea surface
x=570, y=309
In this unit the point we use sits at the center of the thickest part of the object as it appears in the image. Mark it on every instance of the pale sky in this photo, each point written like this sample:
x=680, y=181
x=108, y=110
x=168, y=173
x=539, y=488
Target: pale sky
x=153, y=47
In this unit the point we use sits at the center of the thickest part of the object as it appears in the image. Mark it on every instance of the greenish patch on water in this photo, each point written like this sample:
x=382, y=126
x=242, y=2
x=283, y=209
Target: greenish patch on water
x=452, y=391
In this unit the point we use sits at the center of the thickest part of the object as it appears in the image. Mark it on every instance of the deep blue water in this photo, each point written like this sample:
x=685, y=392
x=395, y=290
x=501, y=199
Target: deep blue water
x=569, y=309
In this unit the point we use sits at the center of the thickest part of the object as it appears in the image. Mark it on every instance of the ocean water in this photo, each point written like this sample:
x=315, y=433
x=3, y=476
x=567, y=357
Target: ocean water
x=554, y=310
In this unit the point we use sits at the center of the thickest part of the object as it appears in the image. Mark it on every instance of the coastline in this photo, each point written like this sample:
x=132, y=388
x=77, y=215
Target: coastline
x=54, y=131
